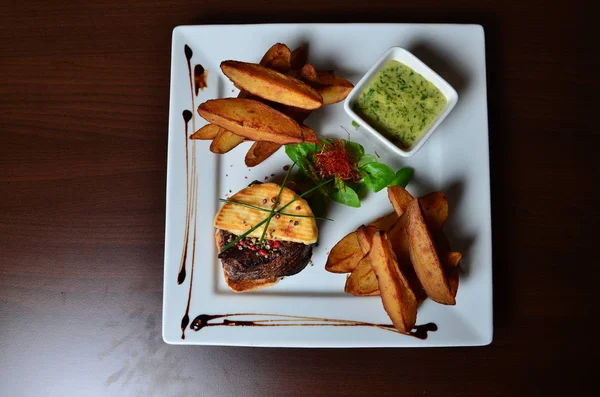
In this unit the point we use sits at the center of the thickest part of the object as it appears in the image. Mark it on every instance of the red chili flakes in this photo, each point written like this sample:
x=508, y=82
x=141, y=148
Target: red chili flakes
x=277, y=216
x=266, y=177
x=286, y=167
x=275, y=244
x=264, y=201
x=298, y=208
x=272, y=199
x=245, y=177
x=334, y=160
x=263, y=252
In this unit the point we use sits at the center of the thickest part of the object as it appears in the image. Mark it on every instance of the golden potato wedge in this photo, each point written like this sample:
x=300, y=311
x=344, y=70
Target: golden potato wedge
x=209, y=131
x=398, y=299
x=452, y=263
x=365, y=237
x=251, y=119
x=299, y=115
x=259, y=152
x=452, y=259
x=299, y=57
x=424, y=257
x=385, y=222
x=309, y=75
x=278, y=58
x=362, y=281
x=399, y=240
x=329, y=78
x=453, y=281
x=435, y=210
x=400, y=198
x=262, y=150
x=272, y=85
x=345, y=255
x=333, y=93
x=225, y=141
x=309, y=134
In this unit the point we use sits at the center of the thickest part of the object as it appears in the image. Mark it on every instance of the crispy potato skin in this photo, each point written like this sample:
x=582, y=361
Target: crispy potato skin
x=259, y=152
x=398, y=299
x=251, y=119
x=385, y=222
x=345, y=255
x=400, y=198
x=272, y=85
x=209, y=131
x=225, y=141
x=424, y=257
x=278, y=58
x=435, y=210
x=362, y=280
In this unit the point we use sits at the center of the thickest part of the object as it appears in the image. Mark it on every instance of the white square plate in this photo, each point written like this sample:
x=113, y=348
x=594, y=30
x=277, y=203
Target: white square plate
x=310, y=309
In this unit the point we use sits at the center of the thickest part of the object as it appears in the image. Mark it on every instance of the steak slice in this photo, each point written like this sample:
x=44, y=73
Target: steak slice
x=242, y=263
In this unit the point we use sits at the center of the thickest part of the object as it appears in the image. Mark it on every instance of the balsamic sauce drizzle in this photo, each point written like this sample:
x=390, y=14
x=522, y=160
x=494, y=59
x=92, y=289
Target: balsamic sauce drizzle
x=199, y=78
x=204, y=320
x=187, y=116
x=191, y=187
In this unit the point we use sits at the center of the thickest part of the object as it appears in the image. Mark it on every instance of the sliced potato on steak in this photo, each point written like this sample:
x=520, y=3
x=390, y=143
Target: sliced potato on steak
x=238, y=219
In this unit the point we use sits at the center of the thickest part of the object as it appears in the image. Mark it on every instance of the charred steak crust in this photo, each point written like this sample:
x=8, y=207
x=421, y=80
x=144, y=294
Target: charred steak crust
x=245, y=264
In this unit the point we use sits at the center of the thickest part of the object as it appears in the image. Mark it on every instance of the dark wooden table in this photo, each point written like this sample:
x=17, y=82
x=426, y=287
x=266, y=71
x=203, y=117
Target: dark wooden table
x=84, y=103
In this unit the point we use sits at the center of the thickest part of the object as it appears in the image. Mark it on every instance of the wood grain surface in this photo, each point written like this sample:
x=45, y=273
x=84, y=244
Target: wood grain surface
x=83, y=133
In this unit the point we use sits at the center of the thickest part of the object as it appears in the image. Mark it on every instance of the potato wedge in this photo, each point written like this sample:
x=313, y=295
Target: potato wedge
x=435, y=210
x=365, y=237
x=309, y=75
x=398, y=299
x=452, y=264
x=329, y=78
x=299, y=115
x=299, y=57
x=400, y=198
x=278, y=58
x=345, y=255
x=452, y=259
x=259, y=152
x=272, y=85
x=385, y=222
x=399, y=240
x=362, y=281
x=309, y=134
x=251, y=119
x=225, y=141
x=333, y=93
x=209, y=131
x=424, y=257
x=453, y=281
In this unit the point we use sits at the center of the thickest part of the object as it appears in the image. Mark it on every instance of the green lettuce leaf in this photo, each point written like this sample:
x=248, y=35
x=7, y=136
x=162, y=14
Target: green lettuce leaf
x=402, y=177
x=376, y=176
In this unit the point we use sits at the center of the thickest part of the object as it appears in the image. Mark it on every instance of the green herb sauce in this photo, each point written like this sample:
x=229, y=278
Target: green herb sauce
x=400, y=103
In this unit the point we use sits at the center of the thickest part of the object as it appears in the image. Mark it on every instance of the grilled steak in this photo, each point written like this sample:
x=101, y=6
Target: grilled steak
x=252, y=261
